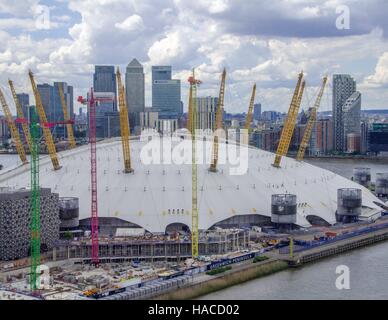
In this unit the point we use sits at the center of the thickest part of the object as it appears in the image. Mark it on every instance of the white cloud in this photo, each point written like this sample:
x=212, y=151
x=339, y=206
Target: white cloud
x=6, y=56
x=19, y=8
x=206, y=34
x=131, y=24
x=380, y=77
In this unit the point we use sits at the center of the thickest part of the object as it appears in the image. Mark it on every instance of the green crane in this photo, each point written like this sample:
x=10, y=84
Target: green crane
x=35, y=203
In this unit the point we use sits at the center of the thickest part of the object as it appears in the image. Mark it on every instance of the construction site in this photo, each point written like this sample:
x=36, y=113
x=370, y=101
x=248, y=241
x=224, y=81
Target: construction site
x=98, y=221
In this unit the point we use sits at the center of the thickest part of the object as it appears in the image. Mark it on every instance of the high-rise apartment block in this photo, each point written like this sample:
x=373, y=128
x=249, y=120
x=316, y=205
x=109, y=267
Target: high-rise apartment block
x=344, y=86
x=206, y=112
x=324, y=136
x=352, y=121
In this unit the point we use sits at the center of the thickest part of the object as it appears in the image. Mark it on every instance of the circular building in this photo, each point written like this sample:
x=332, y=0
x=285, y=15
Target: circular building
x=158, y=193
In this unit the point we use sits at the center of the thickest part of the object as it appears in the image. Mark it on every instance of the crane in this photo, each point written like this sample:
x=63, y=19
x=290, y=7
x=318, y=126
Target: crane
x=91, y=102
x=194, y=83
x=250, y=112
x=45, y=127
x=218, y=126
x=66, y=118
x=35, y=204
x=311, y=122
x=20, y=114
x=124, y=125
x=289, y=124
x=14, y=131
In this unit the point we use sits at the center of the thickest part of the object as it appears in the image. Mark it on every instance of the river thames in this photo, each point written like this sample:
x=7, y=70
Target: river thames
x=368, y=266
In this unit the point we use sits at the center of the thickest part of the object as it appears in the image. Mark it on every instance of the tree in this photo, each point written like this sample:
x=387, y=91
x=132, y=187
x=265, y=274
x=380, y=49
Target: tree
x=68, y=235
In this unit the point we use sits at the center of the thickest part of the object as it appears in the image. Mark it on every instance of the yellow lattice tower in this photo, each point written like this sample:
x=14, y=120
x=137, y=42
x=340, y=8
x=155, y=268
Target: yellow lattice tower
x=311, y=122
x=44, y=125
x=218, y=126
x=249, y=115
x=20, y=114
x=66, y=118
x=124, y=125
x=14, y=131
x=290, y=122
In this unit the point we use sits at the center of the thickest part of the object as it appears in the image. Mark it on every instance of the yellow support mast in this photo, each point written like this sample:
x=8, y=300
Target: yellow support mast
x=311, y=122
x=124, y=125
x=194, y=83
x=14, y=131
x=66, y=118
x=250, y=113
x=250, y=110
x=190, y=115
x=20, y=114
x=218, y=126
x=289, y=125
x=44, y=125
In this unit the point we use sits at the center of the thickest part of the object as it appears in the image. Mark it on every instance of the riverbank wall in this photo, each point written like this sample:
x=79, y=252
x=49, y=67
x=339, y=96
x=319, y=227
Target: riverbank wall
x=324, y=251
x=275, y=264
x=230, y=278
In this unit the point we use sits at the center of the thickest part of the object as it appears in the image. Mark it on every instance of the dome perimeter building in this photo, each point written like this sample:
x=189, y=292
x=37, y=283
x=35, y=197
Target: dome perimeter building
x=157, y=196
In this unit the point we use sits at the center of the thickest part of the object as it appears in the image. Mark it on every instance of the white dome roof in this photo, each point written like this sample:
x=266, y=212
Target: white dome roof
x=152, y=196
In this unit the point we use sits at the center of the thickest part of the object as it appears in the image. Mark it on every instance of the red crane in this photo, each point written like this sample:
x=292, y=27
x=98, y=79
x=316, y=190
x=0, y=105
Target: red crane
x=91, y=102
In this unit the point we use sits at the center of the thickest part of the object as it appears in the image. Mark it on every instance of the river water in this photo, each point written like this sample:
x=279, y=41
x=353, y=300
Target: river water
x=368, y=266
x=368, y=280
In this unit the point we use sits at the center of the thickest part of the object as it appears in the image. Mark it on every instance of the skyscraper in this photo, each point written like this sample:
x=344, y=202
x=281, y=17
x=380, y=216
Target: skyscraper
x=352, y=118
x=343, y=88
x=24, y=100
x=166, y=92
x=206, y=112
x=257, y=112
x=46, y=92
x=134, y=82
x=364, y=137
x=107, y=119
x=324, y=136
x=52, y=103
x=104, y=80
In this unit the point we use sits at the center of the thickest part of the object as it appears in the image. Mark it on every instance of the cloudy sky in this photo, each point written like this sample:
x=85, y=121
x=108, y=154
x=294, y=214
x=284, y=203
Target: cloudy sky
x=262, y=41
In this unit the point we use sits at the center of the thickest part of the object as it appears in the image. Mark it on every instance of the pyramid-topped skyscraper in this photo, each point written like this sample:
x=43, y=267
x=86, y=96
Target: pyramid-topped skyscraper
x=134, y=83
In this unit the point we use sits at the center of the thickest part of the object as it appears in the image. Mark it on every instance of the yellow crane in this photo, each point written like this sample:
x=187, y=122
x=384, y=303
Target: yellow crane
x=124, y=125
x=14, y=131
x=44, y=124
x=311, y=122
x=20, y=114
x=218, y=126
x=66, y=118
x=289, y=125
x=194, y=83
x=250, y=113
